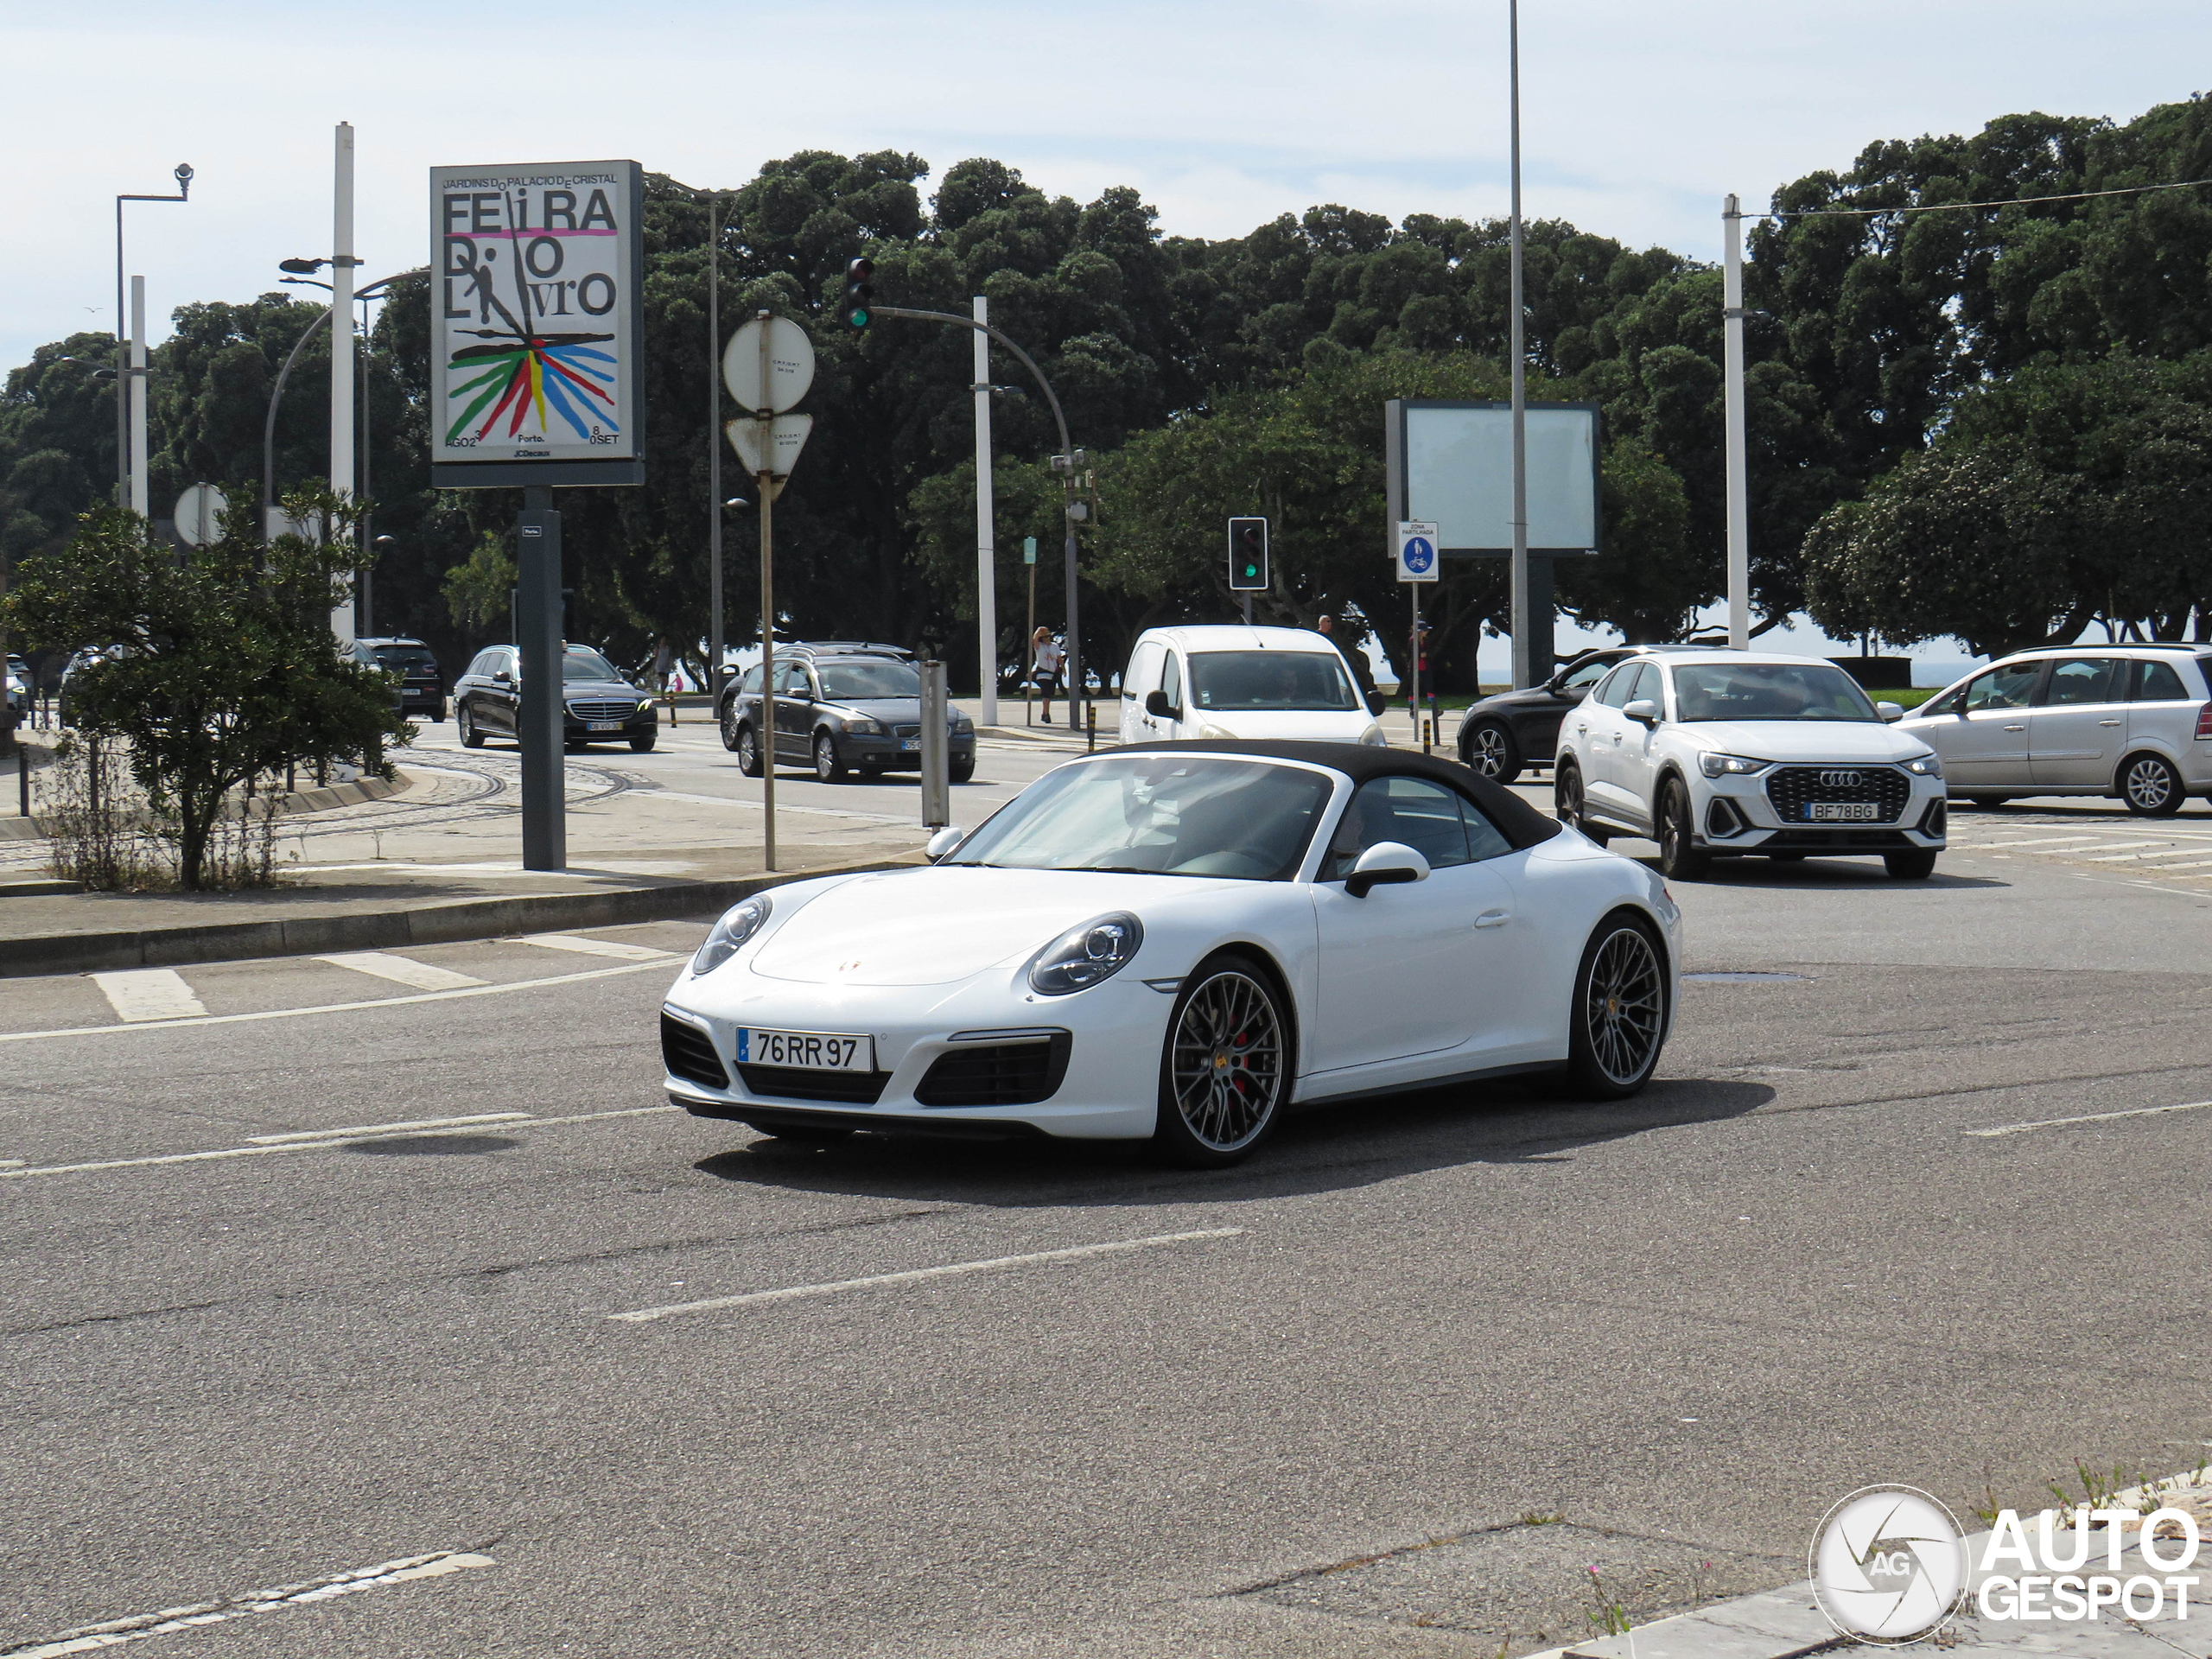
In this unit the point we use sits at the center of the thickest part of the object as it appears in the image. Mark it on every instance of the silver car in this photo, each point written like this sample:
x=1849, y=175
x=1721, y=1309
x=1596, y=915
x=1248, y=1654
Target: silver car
x=2130, y=720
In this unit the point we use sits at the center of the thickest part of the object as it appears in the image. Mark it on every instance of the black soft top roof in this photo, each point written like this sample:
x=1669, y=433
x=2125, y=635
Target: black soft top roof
x=1520, y=823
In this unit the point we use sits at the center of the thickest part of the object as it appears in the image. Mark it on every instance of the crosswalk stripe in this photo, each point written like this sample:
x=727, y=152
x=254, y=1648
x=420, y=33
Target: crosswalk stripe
x=403, y=970
x=595, y=947
x=148, y=994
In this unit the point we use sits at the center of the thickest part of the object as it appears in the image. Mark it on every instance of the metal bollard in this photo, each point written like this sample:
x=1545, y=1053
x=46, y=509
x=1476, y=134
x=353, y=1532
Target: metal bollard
x=1091, y=728
x=936, y=748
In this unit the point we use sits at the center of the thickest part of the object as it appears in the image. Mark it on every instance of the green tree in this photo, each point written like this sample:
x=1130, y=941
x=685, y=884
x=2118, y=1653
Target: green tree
x=227, y=672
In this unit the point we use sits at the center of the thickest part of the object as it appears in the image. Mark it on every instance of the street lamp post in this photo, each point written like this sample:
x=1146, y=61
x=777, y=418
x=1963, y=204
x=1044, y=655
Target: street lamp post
x=276, y=392
x=123, y=366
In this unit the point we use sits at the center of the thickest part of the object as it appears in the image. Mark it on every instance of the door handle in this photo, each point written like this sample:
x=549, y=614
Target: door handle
x=1494, y=918
x=2016, y=728
x=2107, y=722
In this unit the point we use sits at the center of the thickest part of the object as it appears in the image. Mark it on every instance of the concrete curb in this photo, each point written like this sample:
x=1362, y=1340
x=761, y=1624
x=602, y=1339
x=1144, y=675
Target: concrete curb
x=426, y=924
x=304, y=800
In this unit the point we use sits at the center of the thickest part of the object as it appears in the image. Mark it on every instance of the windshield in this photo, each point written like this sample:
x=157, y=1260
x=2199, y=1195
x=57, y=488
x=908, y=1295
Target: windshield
x=1769, y=691
x=580, y=663
x=1181, y=816
x=1233, y=681
x=860, y=682
x=403, y=657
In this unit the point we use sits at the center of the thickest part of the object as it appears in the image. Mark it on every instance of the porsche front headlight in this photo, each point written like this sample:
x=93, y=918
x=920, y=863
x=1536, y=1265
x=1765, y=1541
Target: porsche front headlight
x=1083, y=956
x=739, y=923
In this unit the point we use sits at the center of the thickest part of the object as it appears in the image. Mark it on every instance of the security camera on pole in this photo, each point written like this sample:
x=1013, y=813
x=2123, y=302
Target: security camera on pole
x=767, y=366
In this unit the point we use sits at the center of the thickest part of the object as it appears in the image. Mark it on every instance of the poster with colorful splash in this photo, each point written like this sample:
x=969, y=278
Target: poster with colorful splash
x=534, y=340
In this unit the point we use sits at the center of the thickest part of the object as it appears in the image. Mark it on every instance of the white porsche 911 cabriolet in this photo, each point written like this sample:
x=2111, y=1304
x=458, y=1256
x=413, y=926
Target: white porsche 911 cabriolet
x=1178, y=943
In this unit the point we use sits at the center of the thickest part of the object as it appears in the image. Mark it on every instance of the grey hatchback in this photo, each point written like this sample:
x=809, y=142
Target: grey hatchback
x=840, y=712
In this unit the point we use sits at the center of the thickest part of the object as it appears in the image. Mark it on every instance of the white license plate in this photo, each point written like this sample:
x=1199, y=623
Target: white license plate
x=1842, y=812
x=603, y=726
x=806, y=1051
x=910, y=745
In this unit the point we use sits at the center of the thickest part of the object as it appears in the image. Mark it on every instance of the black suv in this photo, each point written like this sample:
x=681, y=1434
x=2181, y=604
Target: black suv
x=598, y=705
x=1501, y=734
x=421, y=687
x=841, y=706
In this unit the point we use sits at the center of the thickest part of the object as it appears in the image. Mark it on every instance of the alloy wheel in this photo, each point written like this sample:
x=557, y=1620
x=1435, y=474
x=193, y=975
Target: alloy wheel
x=2150, y=786
x=1487, y=751
x=1624, y=1007
x=1226, y=1068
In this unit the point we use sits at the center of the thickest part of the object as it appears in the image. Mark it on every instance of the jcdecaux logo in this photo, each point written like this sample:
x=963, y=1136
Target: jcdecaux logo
x=1889, y=1566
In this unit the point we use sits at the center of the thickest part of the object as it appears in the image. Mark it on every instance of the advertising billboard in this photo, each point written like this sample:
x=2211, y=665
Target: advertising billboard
x=1450, y=462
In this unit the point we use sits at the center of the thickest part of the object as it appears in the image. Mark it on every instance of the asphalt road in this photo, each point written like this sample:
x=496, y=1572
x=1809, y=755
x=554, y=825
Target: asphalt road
x=1686, y=1324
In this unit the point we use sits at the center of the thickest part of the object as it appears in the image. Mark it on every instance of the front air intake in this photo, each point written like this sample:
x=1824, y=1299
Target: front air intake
x=688, y=1052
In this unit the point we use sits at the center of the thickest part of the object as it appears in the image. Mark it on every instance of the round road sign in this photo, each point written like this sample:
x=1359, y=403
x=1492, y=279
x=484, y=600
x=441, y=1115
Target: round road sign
x=791, y=359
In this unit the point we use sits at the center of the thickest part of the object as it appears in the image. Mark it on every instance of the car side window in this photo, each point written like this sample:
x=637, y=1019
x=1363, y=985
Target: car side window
x=1411, y=810
x=480, y=664
x=2009, y=687
x=1947, y=704
x=2158, y=682
x=1143, y=668
x=1584, y=678
x=2078, y=679
x=1171, y=680
x=750, y=685
x=1646, y=684
x=1614, y=692
x=1485, y=839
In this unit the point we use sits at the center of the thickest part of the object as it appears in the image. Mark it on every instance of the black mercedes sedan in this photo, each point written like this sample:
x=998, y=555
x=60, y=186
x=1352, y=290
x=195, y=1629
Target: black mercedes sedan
x=1501, y=734
x=598, y=705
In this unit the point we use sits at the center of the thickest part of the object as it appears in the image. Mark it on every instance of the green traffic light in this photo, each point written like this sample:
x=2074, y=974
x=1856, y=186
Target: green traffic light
x=858, y=319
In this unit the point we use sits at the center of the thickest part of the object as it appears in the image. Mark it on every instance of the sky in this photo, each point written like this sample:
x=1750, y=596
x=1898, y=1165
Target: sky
x=1636, y=118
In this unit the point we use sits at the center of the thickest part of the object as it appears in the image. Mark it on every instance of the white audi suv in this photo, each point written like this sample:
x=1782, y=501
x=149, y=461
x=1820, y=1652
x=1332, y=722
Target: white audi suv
x=1720, y=753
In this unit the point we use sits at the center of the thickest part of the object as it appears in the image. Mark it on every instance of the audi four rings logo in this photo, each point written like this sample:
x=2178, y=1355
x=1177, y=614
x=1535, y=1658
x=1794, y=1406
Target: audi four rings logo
x=1840, y=780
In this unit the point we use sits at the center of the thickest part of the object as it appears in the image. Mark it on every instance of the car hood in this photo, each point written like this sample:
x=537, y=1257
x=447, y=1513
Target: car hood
x=1535, y=697
x=1804, y=740
x=890, y=710
x=940, y=925
x=1285, y=725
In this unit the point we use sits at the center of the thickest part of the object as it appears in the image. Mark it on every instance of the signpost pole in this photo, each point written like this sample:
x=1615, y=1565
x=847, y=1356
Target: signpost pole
x=986, y=598
x=545, y=823
x=1028, y=635
x=714, y=646
x=767, y=482
x=1740, y=514
x=1523, y=612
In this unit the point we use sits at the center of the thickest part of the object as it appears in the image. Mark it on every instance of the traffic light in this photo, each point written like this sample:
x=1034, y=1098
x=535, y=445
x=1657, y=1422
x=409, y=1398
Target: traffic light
x=1247, y=555
x=858, y=291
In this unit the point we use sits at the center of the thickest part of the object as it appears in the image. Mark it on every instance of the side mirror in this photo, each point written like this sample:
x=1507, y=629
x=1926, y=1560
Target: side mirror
x=1889, y=711
x=944, y=840
x=1384, y=864
x=1376, y=702
x=502, y=678
x=1156, y=705
x=1643, y=709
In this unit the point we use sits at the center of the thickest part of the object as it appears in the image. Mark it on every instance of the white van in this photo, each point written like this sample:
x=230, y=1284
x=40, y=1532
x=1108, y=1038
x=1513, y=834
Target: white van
x=1244, y=682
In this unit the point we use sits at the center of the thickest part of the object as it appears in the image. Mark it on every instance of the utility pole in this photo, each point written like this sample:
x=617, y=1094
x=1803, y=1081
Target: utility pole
x=1525, y=668
x=122, y=377
x=137, y=469
x=987, y=597
x=766, y=481
x=1739, y=511
x=341, y=352
x=715, y=650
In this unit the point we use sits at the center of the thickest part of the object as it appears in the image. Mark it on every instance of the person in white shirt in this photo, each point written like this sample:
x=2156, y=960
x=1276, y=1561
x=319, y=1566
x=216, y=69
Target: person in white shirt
x=1045, y=661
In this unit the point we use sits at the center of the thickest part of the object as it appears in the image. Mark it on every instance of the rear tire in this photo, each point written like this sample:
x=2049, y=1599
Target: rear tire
x=1680, y=857
x=465, y=723
x=1490, y=749
x=729, y=723
x=1568, y=805
x=2151, y=787
x=1225, y=1068
x=1916, y=865
x=1617, y=1024
x=748, y=752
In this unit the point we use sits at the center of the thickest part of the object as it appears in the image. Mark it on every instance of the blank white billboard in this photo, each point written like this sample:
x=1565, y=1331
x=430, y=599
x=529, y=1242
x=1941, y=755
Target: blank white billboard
x=1457, y=462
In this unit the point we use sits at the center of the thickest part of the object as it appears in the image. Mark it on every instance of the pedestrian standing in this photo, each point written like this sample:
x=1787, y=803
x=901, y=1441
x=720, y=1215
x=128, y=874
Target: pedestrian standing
x=1420, y=642
x=1348, y=648
x=663, y=662
x=1046, y=659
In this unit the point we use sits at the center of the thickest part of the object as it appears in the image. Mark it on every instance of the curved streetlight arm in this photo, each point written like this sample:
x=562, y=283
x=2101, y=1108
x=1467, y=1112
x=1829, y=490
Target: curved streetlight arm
x=1027, y=362
x=276, y=394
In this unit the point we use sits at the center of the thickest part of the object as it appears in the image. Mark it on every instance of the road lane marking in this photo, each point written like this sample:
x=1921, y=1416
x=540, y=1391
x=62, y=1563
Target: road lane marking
x=403, y=970
x=337, y=1008
x=13, y=1169
x=1080, y=1252
x=384, y=1129
x=142, y=994
x=2062, y=1122
x=114, y=1632
x=2046, y=840
x=594, y=947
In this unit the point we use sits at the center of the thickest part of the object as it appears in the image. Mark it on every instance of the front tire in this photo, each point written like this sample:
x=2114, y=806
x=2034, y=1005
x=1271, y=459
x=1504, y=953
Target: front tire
x=2151, y=787
x=1490, y=750
x=644, y=745
x=1568, y=805
x=1225, y=1068
x=828, y=764
x=961, y=770
x=1680, y=857
x=1617, y=1022
x=1916, y=865
x=748, y=752
x=465, y=724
